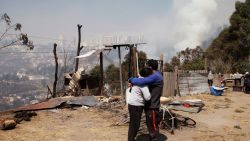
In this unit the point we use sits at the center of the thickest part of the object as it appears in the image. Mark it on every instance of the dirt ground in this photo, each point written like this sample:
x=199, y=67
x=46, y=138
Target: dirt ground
x=224, y=118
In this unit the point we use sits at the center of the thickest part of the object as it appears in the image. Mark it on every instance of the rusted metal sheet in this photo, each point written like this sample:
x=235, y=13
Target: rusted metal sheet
x=52, y=103
x=57, y=102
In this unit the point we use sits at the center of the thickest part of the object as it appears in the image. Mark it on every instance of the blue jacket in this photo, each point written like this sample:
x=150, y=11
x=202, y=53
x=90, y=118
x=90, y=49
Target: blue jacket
x=154, y=78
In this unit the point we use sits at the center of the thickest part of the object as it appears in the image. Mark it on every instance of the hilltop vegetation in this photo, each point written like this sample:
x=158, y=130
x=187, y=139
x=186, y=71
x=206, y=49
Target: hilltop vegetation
x=230, y=50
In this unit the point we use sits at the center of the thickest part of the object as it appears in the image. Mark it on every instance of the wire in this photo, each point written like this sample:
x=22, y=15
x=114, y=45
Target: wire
x=37, y=52
x=43, y=38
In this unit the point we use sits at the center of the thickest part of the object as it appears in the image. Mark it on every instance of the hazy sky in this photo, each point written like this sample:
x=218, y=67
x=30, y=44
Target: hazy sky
x=166, y=25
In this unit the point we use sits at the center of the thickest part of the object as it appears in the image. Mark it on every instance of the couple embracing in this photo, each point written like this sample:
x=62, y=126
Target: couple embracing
x=144, y=94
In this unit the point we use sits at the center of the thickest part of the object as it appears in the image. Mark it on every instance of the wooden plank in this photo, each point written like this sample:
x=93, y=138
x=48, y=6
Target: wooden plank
x=169, y=84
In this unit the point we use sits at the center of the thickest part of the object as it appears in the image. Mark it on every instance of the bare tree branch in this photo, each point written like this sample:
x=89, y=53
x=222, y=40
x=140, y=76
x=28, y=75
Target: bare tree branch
x=12, y=43
x=6, y=31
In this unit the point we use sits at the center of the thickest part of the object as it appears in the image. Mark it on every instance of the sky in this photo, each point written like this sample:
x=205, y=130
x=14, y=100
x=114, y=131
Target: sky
x=167, y=26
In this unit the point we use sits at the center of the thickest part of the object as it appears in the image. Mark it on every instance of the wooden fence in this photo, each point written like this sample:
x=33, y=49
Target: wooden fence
x=170, y=84
x=189, y=82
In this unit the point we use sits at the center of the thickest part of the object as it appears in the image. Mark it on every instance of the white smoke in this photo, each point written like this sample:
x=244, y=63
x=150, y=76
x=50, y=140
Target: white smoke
x=188, y=24
x=194, y=24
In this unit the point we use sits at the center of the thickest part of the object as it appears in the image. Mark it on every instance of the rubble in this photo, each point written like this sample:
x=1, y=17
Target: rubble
x=24, y=115
x=118, y=110
x=7, y=124
x=76, y=83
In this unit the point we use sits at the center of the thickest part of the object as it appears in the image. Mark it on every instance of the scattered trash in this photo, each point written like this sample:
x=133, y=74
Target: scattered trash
x=238, y=111
x=114, y=99
x=34, y=101
x=222, y=106
x=24, y=115
x=237, y=126
x=85, y=107
x=54, y=110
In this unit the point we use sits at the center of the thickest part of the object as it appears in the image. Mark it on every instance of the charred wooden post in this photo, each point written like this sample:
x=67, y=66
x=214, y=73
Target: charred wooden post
x=56, y=71
x=101, y=75
x=79, y=47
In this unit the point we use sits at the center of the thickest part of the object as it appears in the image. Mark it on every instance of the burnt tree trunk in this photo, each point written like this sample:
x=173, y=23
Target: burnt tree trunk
x=101, y=75
x=79, y=47
x=56, y=70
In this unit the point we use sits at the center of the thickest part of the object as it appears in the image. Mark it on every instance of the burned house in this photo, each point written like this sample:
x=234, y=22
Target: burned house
x=79, y=84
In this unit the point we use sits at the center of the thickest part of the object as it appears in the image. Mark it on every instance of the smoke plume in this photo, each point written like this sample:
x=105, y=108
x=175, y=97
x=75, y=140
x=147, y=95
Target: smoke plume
x=189, y=23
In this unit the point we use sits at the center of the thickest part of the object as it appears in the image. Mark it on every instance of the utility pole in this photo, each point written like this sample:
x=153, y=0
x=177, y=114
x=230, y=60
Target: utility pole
x=79, y=47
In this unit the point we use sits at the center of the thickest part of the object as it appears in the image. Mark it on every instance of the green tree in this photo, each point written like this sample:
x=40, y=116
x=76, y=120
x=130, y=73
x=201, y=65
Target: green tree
x=112, y=73
x=112, y=77
x=168, y=67
x=191, y=59
x=232, y=46
x=95, y=71
x=125, y=64
x=175, y=61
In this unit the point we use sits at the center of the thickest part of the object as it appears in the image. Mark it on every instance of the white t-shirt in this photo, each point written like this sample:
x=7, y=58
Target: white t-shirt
x=137, y=96
x=210, y=76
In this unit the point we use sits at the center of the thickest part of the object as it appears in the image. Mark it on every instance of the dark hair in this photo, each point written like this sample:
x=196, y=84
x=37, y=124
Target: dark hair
x=153, y=64
x=145, y=72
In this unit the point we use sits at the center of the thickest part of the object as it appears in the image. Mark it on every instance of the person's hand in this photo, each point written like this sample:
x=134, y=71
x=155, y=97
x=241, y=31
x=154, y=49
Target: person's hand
x=129, y=85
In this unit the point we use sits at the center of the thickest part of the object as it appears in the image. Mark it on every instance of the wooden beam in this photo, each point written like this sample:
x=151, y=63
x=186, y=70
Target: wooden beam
x=120, y=66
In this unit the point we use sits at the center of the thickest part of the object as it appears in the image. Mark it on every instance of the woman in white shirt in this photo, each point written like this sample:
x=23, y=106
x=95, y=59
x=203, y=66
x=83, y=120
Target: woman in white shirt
x=136, y=97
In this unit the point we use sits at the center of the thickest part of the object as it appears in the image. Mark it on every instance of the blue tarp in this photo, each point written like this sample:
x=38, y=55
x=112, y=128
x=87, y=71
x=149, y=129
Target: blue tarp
x=217, y=91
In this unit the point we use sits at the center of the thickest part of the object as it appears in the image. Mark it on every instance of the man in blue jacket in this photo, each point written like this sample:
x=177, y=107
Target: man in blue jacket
x=155, y=84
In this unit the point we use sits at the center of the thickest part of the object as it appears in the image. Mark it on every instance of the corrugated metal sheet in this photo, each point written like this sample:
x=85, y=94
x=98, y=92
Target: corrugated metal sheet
x=193, y=83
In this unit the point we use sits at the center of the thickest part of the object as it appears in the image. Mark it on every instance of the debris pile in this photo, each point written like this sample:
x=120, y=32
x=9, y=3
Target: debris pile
x=11, y=122
x=24, y=115
x=168, y=119
x=116, y=109
x=77, y=84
